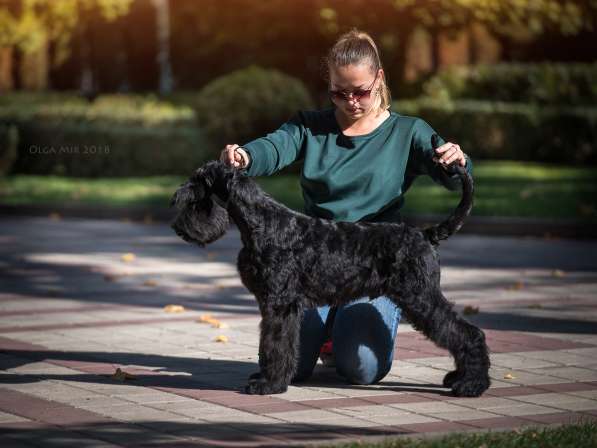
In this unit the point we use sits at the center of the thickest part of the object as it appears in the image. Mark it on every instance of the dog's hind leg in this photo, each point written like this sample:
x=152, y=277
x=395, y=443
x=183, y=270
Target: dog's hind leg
x=278, y=349
x=435, y=317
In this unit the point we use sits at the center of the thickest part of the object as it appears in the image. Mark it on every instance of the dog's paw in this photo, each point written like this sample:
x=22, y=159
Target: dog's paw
x=255, y=376
x=451, y=378
x=262, y=387
x=471, y=387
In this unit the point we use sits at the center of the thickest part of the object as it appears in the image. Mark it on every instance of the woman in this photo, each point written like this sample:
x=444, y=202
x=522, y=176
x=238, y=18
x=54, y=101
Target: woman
x=359, y=158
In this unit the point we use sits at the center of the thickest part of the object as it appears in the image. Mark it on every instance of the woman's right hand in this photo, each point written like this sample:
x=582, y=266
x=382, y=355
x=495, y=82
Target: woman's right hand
x=235, y=156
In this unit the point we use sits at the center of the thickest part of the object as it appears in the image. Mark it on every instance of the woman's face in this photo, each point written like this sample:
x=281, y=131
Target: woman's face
x=352, y=89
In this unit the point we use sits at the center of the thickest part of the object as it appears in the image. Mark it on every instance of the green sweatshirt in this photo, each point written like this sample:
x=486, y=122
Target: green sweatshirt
x=359, y=178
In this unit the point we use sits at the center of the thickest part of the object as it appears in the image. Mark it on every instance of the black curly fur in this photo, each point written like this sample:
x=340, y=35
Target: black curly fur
x=290, y=261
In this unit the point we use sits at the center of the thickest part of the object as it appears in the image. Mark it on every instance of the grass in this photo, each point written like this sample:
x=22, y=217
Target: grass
x=514, y=189
x=519, y=189
x=583, y=435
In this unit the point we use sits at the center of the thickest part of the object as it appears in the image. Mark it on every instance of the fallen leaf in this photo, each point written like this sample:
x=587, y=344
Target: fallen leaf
x=55, y=216
x=150, y=283
x=558, y=273
x=128, y=257
x=205, y=318
x=509, y=376
x=121, y=375
x=222, y=338
x=174, y=308
x=219, y=324
x=535, y=306
x=517, y=286
x=468, y=310
x=147, y=219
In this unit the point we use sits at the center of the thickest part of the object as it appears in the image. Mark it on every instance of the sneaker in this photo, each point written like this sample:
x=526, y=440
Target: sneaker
x=326, y=354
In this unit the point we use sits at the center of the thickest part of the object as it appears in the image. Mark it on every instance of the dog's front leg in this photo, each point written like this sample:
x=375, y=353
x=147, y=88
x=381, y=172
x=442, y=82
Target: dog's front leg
x=278, y=350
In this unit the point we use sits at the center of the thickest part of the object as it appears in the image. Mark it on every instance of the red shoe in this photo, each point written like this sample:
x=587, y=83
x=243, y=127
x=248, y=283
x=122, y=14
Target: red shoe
x=326, y=354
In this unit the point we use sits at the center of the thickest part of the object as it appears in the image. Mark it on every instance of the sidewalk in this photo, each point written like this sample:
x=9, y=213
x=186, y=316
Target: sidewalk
x=73, y=310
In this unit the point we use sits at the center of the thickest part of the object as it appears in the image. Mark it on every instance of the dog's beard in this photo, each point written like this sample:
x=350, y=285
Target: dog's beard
x=201, y=222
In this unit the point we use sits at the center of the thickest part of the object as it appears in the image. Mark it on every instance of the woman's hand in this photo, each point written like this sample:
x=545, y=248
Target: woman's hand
x=448, y=153
x=235, y=156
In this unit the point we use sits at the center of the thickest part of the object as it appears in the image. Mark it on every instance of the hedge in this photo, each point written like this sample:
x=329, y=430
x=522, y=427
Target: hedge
x=572, y=84
x=514, y=131
x=116, y=135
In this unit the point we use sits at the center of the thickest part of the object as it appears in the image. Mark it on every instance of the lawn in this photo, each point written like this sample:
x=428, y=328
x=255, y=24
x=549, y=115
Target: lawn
x=568, y=436
x=502, y=188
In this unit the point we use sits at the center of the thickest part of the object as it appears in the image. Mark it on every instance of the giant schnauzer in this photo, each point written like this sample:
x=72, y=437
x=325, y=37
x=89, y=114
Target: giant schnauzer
x=291, y=261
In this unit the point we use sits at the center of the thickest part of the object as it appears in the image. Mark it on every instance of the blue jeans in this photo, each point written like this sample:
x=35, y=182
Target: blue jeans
x=363, y=337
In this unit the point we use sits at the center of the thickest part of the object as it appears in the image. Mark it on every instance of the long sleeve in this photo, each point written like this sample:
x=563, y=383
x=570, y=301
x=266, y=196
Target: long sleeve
x=278, y=149
x=421, y=159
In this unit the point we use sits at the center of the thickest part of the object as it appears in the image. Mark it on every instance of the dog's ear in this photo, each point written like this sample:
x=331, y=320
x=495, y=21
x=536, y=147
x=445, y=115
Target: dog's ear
x=188, y=193
x=216, y=176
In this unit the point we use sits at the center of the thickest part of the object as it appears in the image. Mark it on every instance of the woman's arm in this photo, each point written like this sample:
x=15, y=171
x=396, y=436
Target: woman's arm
x=269, y=154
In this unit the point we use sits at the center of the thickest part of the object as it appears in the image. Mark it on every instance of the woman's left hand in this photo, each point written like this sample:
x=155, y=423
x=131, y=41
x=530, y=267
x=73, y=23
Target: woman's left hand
x=448, y=153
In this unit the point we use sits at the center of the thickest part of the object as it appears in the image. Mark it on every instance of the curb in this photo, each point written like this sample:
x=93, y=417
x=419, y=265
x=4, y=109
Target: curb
x=481, y=225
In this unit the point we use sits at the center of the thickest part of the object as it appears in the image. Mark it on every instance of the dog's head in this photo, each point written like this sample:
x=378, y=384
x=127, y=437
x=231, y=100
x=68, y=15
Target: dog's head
x=202, y=217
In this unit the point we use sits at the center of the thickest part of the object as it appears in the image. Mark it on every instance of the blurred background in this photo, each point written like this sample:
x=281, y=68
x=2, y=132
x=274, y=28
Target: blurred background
x=115, y=102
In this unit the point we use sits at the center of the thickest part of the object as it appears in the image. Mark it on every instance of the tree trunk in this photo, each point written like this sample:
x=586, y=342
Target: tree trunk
x=6, y=69
x=435, y=50
x=87, y=83
x=17, y=63
x=163, y=57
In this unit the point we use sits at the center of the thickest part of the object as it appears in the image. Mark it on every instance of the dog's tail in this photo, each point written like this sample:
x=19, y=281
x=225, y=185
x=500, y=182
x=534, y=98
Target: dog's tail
x=454, y=222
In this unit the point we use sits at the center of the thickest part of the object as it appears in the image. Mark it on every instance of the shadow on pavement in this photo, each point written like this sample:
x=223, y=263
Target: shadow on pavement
x=516, y=322
x=168, y=371
x=163, y=433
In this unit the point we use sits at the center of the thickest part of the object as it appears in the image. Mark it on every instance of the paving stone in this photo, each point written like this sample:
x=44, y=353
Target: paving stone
x=513, y=361
x=11, y=418
x=523, y=410
x=573, y=373
x=429, y=407
x=371, y=411
x=574, y=357
x=403, y=418
x=592, y=394
x=525, y=377
x=486, y=402
x=295, y=393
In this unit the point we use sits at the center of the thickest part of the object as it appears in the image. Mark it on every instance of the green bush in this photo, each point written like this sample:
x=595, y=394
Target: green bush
x=247, y=104
x=514, y=131
x=116, y=135
x=546, y=83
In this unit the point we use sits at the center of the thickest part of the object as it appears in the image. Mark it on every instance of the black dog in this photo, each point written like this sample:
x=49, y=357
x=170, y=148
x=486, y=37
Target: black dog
x=291, y=261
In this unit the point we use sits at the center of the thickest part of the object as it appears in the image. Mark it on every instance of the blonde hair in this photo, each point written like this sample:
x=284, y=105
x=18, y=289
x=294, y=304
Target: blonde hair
x=357, y=47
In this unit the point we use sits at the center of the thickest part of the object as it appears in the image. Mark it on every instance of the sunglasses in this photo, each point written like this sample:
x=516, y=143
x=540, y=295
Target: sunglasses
x=358, y=94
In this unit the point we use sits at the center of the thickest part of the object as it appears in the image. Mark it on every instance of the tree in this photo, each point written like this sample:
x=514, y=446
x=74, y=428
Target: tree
x=28, y=25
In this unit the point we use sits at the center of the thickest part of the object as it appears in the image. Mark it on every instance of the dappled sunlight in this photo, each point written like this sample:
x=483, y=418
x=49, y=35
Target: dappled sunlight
x=109, y=263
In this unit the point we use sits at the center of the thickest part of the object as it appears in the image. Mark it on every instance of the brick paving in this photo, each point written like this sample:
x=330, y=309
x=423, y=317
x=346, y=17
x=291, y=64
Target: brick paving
x=73, y=310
